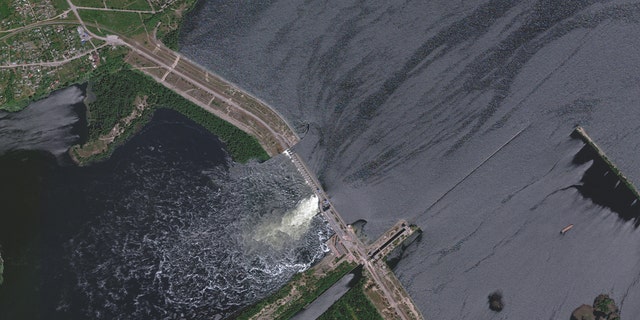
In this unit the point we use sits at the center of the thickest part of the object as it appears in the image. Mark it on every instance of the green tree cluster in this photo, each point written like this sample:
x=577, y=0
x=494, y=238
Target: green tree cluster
x=116, y=87
x=352, y=305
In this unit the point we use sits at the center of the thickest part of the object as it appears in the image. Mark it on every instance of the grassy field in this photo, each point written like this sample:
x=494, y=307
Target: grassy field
x=88, y=3
x=129, y=5
x=60, y=5
x=141, y=5
x=125, y=23
x=5, y=10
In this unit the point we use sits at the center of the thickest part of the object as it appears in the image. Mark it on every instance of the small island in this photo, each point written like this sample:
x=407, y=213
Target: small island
x=604, y=308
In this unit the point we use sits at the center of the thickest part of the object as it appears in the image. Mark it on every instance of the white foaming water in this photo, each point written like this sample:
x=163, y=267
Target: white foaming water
x=291, y=226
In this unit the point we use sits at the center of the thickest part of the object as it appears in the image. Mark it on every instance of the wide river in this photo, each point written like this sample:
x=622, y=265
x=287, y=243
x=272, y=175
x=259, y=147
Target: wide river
x=456, y=115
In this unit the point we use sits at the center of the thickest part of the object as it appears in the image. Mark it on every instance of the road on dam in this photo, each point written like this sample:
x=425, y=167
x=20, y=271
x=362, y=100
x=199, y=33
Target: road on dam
x=272, y=131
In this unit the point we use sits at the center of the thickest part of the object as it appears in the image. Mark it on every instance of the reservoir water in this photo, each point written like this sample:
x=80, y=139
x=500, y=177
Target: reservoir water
x=456, y=116
x=167, y=228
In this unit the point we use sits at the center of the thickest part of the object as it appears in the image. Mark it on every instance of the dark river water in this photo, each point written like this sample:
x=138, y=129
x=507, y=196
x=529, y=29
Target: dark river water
x=167, y=228
x=456, y=115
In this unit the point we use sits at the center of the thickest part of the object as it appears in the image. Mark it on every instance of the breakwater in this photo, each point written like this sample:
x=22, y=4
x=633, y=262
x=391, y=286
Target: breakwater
x=580, y=133
x=614, y=191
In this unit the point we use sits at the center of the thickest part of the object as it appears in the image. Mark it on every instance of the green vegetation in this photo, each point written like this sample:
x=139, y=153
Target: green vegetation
x=170, y=39
x=353, y=305
x=60, y=5
x=170, y=22
x=51, y=78
x=604, y=308
x=125, y=23
x=89, y=3
x=141, y=5
x=5, y=10
x=307, y=283
x=116, y=87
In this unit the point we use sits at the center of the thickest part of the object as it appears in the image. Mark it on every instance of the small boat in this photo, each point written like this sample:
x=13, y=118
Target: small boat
x=565, y=229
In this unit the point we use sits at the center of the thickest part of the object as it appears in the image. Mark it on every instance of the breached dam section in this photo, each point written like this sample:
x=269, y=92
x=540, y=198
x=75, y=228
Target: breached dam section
x=280, y=229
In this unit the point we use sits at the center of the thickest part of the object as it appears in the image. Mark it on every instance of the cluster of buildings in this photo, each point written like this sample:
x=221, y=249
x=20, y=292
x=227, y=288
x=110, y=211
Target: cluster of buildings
x=25, y=12
x=24, y=57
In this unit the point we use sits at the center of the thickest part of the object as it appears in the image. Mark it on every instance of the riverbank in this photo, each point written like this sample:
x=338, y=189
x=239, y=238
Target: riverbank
x=301, y=290
x=124, y=102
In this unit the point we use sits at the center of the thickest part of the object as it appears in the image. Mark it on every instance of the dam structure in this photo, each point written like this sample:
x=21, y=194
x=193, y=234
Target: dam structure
x=580, y=133
x=227, y=101
x=604, y=182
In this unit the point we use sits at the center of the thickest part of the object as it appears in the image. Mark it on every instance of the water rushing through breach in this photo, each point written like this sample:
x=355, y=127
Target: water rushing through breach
x=278, y=230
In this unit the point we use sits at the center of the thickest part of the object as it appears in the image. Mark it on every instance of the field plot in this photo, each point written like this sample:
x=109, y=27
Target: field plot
x=89, y=3
x=125, y=23
x=142, y=5
x=129, y=4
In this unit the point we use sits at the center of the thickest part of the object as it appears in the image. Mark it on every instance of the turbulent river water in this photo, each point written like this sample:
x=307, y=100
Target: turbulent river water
x=456, y=115
x=168, y=228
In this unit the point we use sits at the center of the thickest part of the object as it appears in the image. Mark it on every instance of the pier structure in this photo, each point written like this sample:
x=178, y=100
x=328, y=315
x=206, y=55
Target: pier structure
x=580, y=133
